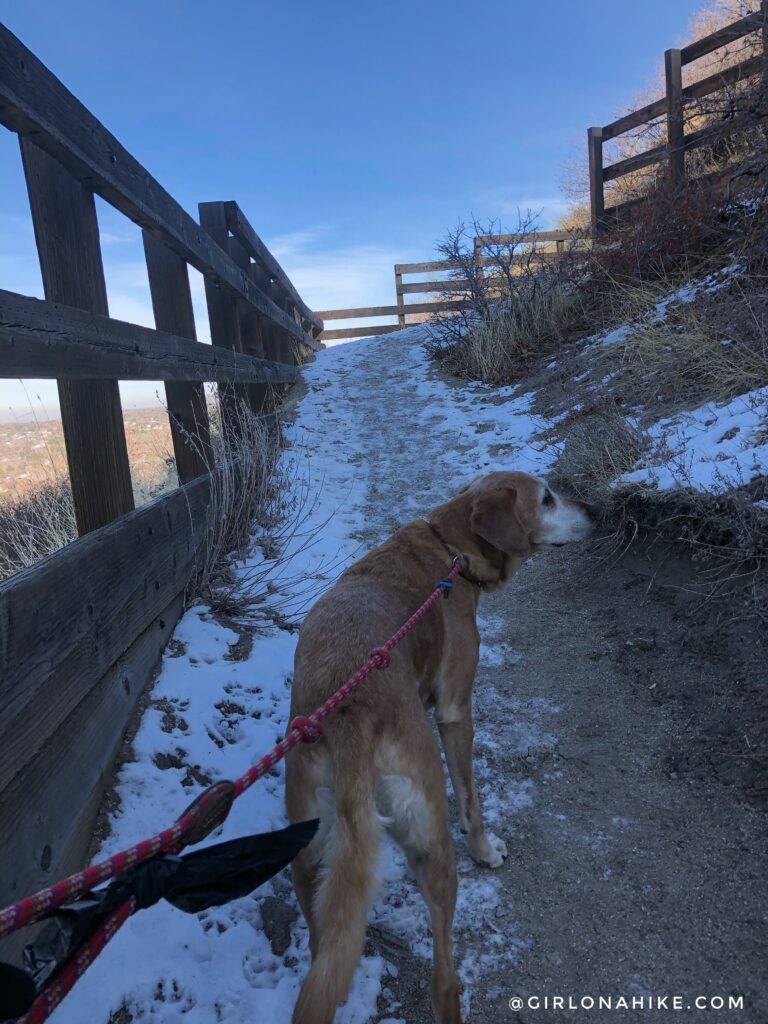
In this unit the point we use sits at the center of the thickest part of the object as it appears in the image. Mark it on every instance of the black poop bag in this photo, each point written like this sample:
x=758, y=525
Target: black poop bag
x=191, y=882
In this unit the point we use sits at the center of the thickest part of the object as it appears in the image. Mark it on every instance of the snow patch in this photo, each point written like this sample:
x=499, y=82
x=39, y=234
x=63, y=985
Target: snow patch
x=714, y=448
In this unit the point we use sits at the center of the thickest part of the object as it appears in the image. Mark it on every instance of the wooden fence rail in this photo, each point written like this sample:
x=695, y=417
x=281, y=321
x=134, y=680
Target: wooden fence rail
x=81, y=632
x=672, y=107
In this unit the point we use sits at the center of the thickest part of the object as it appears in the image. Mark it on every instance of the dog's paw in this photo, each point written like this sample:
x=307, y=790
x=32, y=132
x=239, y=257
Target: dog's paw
x=490, y=851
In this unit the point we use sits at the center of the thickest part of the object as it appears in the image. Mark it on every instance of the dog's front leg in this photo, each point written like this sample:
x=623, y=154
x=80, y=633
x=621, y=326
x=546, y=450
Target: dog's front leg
x=457, y=734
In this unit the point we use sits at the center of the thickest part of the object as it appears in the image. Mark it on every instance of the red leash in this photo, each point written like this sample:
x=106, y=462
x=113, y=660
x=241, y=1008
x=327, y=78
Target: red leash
x=205, y=814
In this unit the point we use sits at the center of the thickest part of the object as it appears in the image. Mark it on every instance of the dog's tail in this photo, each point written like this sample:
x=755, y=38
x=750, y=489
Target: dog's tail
x=348, y=845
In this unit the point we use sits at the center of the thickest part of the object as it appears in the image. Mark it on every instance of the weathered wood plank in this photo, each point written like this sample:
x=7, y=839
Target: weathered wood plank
x=34, y=101
x=525, y=237
x=240, y=227
x=415, y=307
x=623, y=211
x=596, y=179
x=635, y=163
x=727, y=34
x=418, y=287
x=68, y=246
x=423, y=268
x=438, y=265
x=223, y=317
x=399, y=292
x=270, y=334
x=635, y=118
x=41, y=339
x=66, y=621
x=710, y=133
x=45, y=834
x=251, y=331
x=359, y=332
x=187, y=406
x=696, y=90
x=728, y=76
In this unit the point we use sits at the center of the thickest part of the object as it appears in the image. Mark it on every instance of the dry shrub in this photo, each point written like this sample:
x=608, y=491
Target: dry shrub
x=35, y=524
x=600, y=446
x=522, y=327
x=668, y=237
x=520, y=302
x=244, y=490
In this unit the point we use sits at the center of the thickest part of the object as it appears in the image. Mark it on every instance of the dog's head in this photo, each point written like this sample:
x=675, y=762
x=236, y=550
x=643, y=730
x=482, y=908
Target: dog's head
x=518, y=513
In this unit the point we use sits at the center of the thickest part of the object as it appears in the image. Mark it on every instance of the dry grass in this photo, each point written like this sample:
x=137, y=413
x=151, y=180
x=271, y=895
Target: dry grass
x=245, y=490
x=34, y=525
x=601, y=446
x=519, y=328
x=41, y=519
x=683, y=361
x=725, y=535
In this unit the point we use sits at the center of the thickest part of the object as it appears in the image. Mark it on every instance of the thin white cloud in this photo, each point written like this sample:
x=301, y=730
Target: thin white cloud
x=114, y=238
x=344, y=277
x=503, y=203
x=550, y=208
x=284, y=247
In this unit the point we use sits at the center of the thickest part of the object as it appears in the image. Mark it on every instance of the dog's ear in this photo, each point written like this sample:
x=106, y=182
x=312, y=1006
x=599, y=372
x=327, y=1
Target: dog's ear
x=495, y=519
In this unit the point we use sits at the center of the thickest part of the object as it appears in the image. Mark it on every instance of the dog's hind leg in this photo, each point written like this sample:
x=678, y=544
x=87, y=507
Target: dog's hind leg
x=435, y=871
x=420, y=826
x=304, y=871
x=345, y=879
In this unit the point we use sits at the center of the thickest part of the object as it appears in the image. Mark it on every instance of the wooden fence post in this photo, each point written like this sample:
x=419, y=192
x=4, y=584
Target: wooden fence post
x=223, y=317
x=673, y=72
x=478, y=257
x=399, y=297
x=285, y=340
x=187, y=407
x=270, y=332
x=68, y=246
x=596, y=189
x=251, y=329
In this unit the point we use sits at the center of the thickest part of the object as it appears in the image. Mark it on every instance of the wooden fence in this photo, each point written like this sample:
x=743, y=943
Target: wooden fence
x=81, y=633
x=537, y=240
x=672, y=107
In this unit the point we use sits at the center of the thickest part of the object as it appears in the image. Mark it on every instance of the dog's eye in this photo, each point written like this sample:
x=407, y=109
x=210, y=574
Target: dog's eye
x=548, y=498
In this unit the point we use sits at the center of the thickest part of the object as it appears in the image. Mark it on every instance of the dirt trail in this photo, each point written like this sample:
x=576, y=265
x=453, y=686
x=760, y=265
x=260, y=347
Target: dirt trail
x=636, y=869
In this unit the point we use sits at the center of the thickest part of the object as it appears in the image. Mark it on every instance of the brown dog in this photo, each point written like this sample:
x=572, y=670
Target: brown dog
x=378, y=764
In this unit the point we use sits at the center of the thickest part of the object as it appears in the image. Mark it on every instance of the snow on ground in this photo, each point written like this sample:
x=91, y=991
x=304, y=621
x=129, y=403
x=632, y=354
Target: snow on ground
x=714, y=448
x=380, y=438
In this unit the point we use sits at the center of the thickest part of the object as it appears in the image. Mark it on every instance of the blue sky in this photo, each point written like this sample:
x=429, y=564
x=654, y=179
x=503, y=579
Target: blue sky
x=352, y=134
